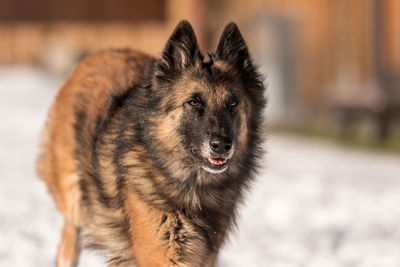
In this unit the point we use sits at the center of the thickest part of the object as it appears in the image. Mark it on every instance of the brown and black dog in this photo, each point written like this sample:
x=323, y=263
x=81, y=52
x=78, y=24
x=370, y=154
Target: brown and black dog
x=147, y=157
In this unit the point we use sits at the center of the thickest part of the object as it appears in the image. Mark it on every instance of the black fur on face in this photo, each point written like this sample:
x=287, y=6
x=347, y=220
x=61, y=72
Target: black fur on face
x=209, y=129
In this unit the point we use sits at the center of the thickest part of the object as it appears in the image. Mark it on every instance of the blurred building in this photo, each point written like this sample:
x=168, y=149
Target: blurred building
x=324, y=58
x=320, y=56
x=40, y=31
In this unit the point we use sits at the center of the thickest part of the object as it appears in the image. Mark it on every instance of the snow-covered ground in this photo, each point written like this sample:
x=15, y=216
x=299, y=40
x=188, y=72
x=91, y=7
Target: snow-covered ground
x=314, y=204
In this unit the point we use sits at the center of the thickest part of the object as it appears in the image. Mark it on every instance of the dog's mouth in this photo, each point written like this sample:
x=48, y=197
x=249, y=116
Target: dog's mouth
x=212, y=164
x=217, y=161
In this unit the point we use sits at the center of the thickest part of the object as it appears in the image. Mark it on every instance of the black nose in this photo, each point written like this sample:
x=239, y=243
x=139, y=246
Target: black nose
x=220, y=145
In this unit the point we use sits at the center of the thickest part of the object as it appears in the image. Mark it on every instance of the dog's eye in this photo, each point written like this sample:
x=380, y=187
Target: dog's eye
x=196, y=102
x=233, y=102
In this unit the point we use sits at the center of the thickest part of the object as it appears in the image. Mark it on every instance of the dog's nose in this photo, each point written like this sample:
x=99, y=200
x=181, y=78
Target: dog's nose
x=220, y=145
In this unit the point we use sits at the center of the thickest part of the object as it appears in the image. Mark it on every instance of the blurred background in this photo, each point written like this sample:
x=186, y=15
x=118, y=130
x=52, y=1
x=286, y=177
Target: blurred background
x=333, y=67
x=329, y=189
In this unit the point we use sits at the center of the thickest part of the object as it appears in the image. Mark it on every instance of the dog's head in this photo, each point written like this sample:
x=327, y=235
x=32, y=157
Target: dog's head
x=208, y=111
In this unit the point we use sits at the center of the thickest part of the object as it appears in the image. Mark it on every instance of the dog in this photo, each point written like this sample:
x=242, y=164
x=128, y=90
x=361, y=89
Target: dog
x=147, y=158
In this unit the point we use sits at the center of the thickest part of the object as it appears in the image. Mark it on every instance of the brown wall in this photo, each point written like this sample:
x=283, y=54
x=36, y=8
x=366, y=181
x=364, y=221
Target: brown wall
x=27, y=42
x=85, y=26
x=82, y=10
x=392, y=34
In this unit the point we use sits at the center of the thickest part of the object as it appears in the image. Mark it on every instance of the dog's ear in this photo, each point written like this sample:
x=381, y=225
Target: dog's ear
x=181, y=50
x=232, y=47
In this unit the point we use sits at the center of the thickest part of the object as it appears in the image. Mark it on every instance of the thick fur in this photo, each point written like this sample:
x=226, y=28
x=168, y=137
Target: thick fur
x=122, y=151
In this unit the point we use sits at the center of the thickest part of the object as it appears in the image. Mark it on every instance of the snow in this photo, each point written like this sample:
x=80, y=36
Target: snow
x=314, y=204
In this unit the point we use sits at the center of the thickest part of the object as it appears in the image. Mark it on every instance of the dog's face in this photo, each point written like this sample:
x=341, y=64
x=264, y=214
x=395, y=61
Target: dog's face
x=205, y=106
x=211, y=116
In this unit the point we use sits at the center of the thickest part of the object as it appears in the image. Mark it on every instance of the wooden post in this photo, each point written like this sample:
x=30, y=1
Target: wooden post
x=195, y=11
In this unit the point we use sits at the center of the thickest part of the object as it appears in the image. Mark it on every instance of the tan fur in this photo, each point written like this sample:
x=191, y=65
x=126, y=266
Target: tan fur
x=147, y=233
x=69, y=249
x=56, y=165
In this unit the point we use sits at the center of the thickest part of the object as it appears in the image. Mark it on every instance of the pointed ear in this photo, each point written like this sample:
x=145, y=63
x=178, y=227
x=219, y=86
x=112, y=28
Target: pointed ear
x=231, y=46
x=180, y=51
